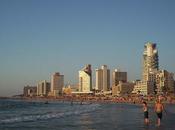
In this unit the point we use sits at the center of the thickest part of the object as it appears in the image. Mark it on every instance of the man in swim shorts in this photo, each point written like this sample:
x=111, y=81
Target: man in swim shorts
x=159, y=109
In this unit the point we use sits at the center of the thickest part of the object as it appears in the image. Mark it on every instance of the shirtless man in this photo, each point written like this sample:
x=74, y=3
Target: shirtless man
x=159, y=109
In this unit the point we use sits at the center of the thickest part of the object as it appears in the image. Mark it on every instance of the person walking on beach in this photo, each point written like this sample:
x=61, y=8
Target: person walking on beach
x=159, y=109
x=145, y=110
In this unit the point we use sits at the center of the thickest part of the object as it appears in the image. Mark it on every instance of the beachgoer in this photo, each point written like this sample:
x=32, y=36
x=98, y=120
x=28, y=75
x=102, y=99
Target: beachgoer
x=145, y=110
x=72, y=102
x=159, y=109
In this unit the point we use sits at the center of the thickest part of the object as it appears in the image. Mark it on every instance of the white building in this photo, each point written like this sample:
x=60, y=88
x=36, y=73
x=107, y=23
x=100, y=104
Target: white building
x=85, y=79
x=144, y=87
x=150, y=60
x=153, y=80
x=150, y=68
x=43, y=88
x=165, y=82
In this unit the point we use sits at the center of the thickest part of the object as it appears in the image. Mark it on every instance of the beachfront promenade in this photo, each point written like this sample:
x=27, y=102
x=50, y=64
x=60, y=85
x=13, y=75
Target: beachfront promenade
x=137, y=99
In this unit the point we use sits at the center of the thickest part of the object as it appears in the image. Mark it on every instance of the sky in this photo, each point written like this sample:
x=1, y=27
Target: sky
x=40, y=37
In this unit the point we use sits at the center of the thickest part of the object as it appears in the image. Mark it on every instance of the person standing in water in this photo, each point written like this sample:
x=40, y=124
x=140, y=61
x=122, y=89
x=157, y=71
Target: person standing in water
x=159, y=109
x=145, y=110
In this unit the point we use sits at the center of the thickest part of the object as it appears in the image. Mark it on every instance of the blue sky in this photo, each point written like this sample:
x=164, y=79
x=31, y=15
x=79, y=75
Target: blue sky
x=40, y=37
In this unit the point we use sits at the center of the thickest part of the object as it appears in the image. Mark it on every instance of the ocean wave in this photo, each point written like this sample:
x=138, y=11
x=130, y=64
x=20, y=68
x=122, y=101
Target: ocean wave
x=71, y=112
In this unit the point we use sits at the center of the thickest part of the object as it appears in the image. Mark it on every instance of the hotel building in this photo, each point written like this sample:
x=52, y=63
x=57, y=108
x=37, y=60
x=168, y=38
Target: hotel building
x=85, y=79
x=103, y=79
x=150, y=68
x=57, y=84
x=118, y=76
x=43, y=88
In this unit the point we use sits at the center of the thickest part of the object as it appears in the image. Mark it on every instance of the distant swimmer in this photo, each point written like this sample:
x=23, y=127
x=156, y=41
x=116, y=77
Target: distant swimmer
x=81, y=102
x=46, y=102
x=145, y=110
x=71, y=102
x=159, y=109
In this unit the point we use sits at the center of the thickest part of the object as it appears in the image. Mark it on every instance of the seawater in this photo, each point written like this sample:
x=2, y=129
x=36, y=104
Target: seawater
x=36, y=115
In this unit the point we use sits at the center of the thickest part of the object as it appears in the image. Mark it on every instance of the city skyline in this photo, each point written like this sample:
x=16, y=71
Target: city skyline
x=40, y=38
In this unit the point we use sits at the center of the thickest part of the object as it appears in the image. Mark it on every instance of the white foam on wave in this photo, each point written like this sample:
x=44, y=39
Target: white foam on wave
x=76, y=111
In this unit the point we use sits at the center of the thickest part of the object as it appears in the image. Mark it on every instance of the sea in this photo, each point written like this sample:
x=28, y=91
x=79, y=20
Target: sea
x=59, y=115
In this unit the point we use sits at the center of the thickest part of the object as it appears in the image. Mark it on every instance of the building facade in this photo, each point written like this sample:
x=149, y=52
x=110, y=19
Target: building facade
x=150, y=61
x=43, y=88
x=69, y=89
x=30, y=91
x=103, y=79
x=122, y=89
x=154, y=81
x=85, y=79
x=150, y=68
x=57, y=84
x=118, y=76
x=164, y=82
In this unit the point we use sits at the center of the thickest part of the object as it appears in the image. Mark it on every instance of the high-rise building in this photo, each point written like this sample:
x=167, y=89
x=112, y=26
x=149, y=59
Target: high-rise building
x=99, y=79
x=103, y=79
x=118, y=76
x=85, y=79
x=153, y=80
x=150, y=68
x=150, y=61
x=43, y=88
x=57, y=84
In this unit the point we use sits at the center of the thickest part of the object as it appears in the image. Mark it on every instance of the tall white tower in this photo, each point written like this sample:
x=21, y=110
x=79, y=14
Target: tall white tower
x=85, y=79
x=150, y=61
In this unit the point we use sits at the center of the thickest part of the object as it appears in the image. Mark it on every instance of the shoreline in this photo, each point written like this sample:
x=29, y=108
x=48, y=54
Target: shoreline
x=128, y=100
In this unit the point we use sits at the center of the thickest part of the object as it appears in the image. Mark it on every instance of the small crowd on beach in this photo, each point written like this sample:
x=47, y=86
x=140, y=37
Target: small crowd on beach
x=136, y=99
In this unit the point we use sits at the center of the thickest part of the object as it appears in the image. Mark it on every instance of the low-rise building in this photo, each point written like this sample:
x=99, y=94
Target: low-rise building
x=67, y=90
x=122, y=88
x=29, y=91
x=164, y=82
x=144, y=87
